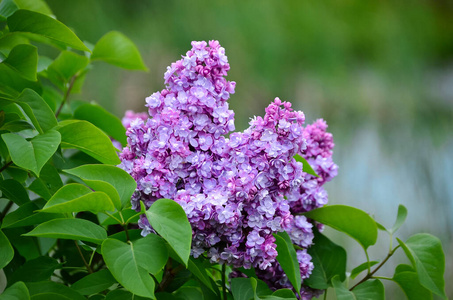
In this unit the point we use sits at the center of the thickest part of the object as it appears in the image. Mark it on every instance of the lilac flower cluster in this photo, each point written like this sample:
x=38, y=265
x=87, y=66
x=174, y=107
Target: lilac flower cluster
x=236, y=191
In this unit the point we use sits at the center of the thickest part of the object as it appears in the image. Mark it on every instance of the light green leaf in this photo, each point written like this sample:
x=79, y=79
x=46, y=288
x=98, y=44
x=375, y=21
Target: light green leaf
x=427, y=257
x=37, y=110
x=48, y=183
x=7, y=8
x=124, y=184
x=407, y=279
x=131, y=263
x=281, y=294
x=241, y=288
x=24, y=60
x=26, y=215
x=362, y=267
x=94, y=283
x=116, y=49
x=88, y=138
x=369, y=290
x=189, y=293
x=14, y=191
x=305, y=165
x=16, y=126
x=287, y=258
x=17, y=291
x=6, y=250
x=170, y=221
x=36, y=23
x=32, y=155
x=75, y=197
x=65, y=66
x=12, y=83
x=329, y=260
x=106, y=121
x=122, y=295
x=352, y=221
x=400, y=218
x=35, y=5
x=37, y=269
x=49, y=290
x=72, y=229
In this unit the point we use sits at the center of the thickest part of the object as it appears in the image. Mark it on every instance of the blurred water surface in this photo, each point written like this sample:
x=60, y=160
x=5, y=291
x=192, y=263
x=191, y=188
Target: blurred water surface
x=379, y=72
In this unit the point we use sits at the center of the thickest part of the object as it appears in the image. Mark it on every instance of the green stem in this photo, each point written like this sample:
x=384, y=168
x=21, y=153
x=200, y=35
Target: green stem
x=369, y=275
x=83, y=258
x=113, y=217
x=382, y=277
x=66, y=95
x=368, y=261
x=224, y=291
x=325, y=295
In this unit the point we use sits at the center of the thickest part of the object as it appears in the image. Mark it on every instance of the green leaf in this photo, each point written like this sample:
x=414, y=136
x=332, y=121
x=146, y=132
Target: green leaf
x=352, y=221
x=14, y=83
x=189, y=293
x=287, y=258
x=65, y=66
x=6, y=250
x=37, y=269
x=24, y=60
x=329, y=260
x=169, y=220
x=400, y=218
x=131, y=263
x=9, y=40
x=106, y=121
x=362, y=267
x=241, y=288
x=122, y=295
x=72, y=229
x=14, y=191
x=305, y=165
x=26, y=246
x=199, y=272
x=35, y=5
x=25, y=215
x=94, y=283
x=7, y=8
x=16, y=126
x=124, y=184
x=86, y=137
x=407, y=279
x=48, y=183
x=49, y=290
x=116, y=49
x=32, y=155
x=75, y=197
x=427, y=257
x=36, y=23
x=281, y=294
x=17, y=291
x=369, y=290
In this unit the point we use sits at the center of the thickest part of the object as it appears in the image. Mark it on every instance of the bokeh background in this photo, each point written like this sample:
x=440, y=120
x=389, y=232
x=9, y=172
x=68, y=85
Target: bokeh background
x=379, y=72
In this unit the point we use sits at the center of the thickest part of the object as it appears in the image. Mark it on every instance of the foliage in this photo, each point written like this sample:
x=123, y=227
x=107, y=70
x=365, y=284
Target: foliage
x=67, y=227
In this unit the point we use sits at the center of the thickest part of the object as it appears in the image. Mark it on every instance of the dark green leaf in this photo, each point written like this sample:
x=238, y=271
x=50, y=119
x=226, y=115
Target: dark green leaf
x=25, y=215
x=131, y=263
x=106, y=121
x=36, y=23
x=37, y=269
x=352, y=221
x=116, y=49
x=37, y=110
x=26, y=246
x=407, y=279
x=13, y=83
x=14, y=191
x=329, y=260
x=199, y=272
x=72, y=229
x=427, y=257
x=124, y=184
x=189, y=293
x=32, y=155
x=282, y=294
x=305, y=165
x=169, y=220
x=94, y=283
x=48, y=183
x=16, y=126
x=17, y=291
x=362, y=267
x=241, y=288
x=24, y=60
x=17, y=173
x=400, y=218
x=49, y=290
x=287, y=258
x=369, y=290
x=6, y=250
x=122, y=295
x=75, y=197
x=88, y=138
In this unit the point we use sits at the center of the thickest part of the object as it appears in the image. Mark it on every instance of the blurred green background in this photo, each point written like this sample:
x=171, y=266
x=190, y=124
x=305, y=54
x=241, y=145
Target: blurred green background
x=379, y=72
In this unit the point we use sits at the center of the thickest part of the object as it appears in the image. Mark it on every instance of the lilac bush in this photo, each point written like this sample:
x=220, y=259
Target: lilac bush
x=238, y=190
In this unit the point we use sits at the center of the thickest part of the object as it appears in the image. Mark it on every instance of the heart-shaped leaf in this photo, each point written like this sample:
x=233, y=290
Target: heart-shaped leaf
x=33, y=154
